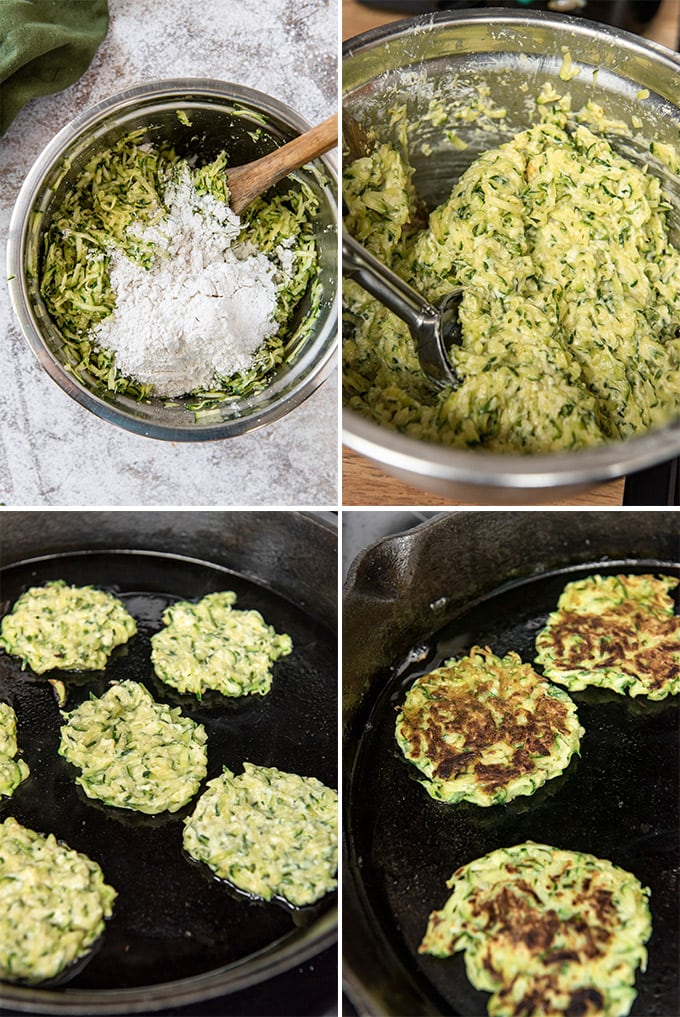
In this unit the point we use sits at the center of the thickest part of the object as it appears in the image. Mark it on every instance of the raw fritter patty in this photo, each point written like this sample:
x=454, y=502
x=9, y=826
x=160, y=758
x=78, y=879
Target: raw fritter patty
x=548, y=932
x=54, y=902
x=12, y=770
x=271, y=834
x=133, y=752
x=617, y=632
x=74, y=628
x=209, y=645
x=487, y=729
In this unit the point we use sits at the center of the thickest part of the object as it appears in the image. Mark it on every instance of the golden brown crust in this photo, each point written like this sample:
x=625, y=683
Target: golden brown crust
x=547, y=931
x=614, y=640
x=618, y=632
x=480, y=717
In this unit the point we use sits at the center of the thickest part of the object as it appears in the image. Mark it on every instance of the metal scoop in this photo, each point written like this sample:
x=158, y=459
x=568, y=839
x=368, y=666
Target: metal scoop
x=435, y=328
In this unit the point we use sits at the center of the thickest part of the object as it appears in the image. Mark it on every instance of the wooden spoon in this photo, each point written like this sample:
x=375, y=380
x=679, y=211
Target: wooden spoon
x=254, y=178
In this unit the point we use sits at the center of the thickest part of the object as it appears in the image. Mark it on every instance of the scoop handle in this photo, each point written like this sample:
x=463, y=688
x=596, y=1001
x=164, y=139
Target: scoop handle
x=386, y=286
x=426, y=323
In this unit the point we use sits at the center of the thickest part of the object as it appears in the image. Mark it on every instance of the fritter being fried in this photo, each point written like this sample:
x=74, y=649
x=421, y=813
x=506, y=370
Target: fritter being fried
x=487, y=729
x=548, y=932
x=211, y=645
x=54, y=904
x=74, y=628
x=615, y=632
x=13, y=770
x=270, y=833
x=135, y=753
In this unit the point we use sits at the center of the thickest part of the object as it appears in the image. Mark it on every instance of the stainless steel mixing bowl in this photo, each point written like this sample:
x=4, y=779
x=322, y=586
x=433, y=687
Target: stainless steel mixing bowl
x=441, y=59
x=223, y=116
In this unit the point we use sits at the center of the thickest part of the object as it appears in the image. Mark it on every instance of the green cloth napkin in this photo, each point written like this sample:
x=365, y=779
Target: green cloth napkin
x=45, y=45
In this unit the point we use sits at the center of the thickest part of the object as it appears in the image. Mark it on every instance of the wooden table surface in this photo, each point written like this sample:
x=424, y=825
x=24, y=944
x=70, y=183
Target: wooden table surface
x=364, y=483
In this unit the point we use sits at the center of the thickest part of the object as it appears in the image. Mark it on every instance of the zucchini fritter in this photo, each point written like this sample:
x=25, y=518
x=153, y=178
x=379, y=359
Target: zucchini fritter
x=133, y=752
x=54, y=903
x=487, y=729
x=616, y=632
x=74, y=628
x=271, y=834
x=12, y=769
x=547, y=931
x=210, y=645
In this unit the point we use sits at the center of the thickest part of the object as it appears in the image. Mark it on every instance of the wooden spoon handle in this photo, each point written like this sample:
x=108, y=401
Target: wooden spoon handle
x=246, y=182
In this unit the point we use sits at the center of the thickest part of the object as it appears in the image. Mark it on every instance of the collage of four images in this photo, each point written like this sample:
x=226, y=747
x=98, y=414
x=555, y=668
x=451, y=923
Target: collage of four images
x=339, y=540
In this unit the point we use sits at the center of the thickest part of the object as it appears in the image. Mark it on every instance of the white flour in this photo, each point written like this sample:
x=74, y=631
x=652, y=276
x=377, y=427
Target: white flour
x=204, y=306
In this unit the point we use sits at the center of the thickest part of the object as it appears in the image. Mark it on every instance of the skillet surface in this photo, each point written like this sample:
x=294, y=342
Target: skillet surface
x=619, y=801
x=172, y=919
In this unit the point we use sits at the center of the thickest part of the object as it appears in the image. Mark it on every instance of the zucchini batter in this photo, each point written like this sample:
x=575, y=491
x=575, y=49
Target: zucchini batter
x=211, y=645
x=271, y=834
x=133, y=752
x=571, y=306
x=13, y=770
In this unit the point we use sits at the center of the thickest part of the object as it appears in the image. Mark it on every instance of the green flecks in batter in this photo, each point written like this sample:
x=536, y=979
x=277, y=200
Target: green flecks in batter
x=571, y=309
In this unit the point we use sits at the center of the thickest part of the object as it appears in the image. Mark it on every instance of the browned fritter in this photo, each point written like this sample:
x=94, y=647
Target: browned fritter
x=616, y=631
x=486, y=722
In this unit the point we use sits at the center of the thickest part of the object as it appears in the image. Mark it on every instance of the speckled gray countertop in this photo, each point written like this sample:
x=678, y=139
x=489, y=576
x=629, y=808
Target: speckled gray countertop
x=54, y=452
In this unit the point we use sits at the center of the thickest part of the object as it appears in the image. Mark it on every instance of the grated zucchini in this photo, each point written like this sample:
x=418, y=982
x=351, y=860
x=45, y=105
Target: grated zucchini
x=122, y=187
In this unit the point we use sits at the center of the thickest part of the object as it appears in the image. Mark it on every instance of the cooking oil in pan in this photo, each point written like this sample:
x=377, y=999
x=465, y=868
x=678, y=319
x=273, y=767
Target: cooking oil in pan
x=619, y=800
x=171, y=919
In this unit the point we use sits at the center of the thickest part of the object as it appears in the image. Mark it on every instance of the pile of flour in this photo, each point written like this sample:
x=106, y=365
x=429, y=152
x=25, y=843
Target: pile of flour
x=203, y=308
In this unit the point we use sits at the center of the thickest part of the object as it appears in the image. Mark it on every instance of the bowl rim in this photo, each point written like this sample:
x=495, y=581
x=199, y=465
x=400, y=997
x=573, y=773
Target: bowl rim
x=501, y=16
x=595, y=464
x=188, y=90
x=443, y=464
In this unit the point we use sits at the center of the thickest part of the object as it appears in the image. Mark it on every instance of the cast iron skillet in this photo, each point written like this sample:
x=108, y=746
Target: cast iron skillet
x=411, y=602
x=177, y=934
